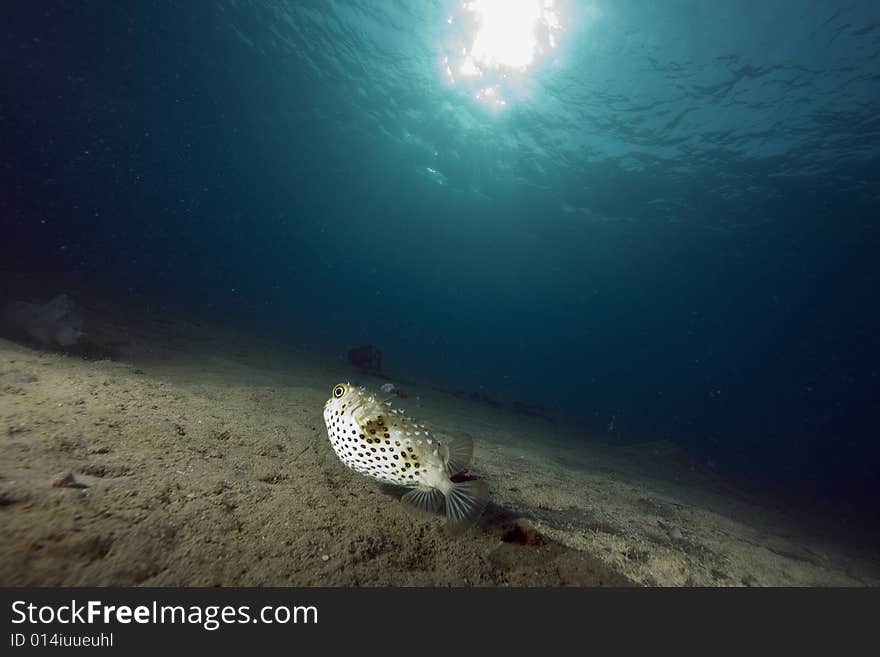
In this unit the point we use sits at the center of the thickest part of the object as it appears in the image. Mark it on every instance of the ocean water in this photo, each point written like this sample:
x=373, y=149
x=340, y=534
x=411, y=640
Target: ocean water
x=657, y=220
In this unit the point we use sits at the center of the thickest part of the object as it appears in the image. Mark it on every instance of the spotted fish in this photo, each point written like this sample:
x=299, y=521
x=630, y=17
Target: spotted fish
x=374, y=439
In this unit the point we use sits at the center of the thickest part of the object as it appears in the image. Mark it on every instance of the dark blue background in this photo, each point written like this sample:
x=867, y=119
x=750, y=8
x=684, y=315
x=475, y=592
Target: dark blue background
x=146, y=146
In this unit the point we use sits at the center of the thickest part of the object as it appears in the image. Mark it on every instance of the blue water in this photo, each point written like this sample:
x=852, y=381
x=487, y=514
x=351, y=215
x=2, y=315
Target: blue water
x=668, y=231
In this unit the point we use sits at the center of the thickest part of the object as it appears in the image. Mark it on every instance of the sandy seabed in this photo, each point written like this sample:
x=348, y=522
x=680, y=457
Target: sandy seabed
x=198, y=457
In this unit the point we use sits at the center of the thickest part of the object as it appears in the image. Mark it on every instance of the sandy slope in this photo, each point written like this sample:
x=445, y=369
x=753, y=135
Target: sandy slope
x=199, y=457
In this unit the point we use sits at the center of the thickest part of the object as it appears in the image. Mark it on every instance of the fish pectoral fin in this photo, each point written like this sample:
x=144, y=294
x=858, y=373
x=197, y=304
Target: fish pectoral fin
x=459, y=451
x=465, y=503
x=423, y=501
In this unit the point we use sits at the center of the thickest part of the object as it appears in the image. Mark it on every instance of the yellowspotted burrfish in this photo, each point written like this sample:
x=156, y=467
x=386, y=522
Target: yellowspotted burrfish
x=372, y=438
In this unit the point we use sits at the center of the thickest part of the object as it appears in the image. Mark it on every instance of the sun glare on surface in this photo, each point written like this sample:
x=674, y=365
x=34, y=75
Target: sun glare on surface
x=506, y=36
x=495, y=42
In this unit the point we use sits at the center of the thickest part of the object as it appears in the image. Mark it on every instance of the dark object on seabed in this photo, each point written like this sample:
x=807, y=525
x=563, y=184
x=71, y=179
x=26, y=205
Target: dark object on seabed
x=535, y=410
x=367, y=358
x=477, y=397
x=56, y=323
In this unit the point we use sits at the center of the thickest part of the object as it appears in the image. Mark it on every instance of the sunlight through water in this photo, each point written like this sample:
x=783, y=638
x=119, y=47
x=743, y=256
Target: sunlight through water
x=493, y=44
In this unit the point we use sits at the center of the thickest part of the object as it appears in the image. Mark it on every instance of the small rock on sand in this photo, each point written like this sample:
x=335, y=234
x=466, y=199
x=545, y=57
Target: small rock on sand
x=18, y=377
x=66, y=480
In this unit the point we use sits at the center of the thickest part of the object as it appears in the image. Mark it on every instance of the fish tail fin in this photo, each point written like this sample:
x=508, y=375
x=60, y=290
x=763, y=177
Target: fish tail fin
x=423, y=501
x=465, y=502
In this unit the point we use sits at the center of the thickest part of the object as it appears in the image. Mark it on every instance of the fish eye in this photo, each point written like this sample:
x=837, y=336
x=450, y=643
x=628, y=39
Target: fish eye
x=338, y=391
